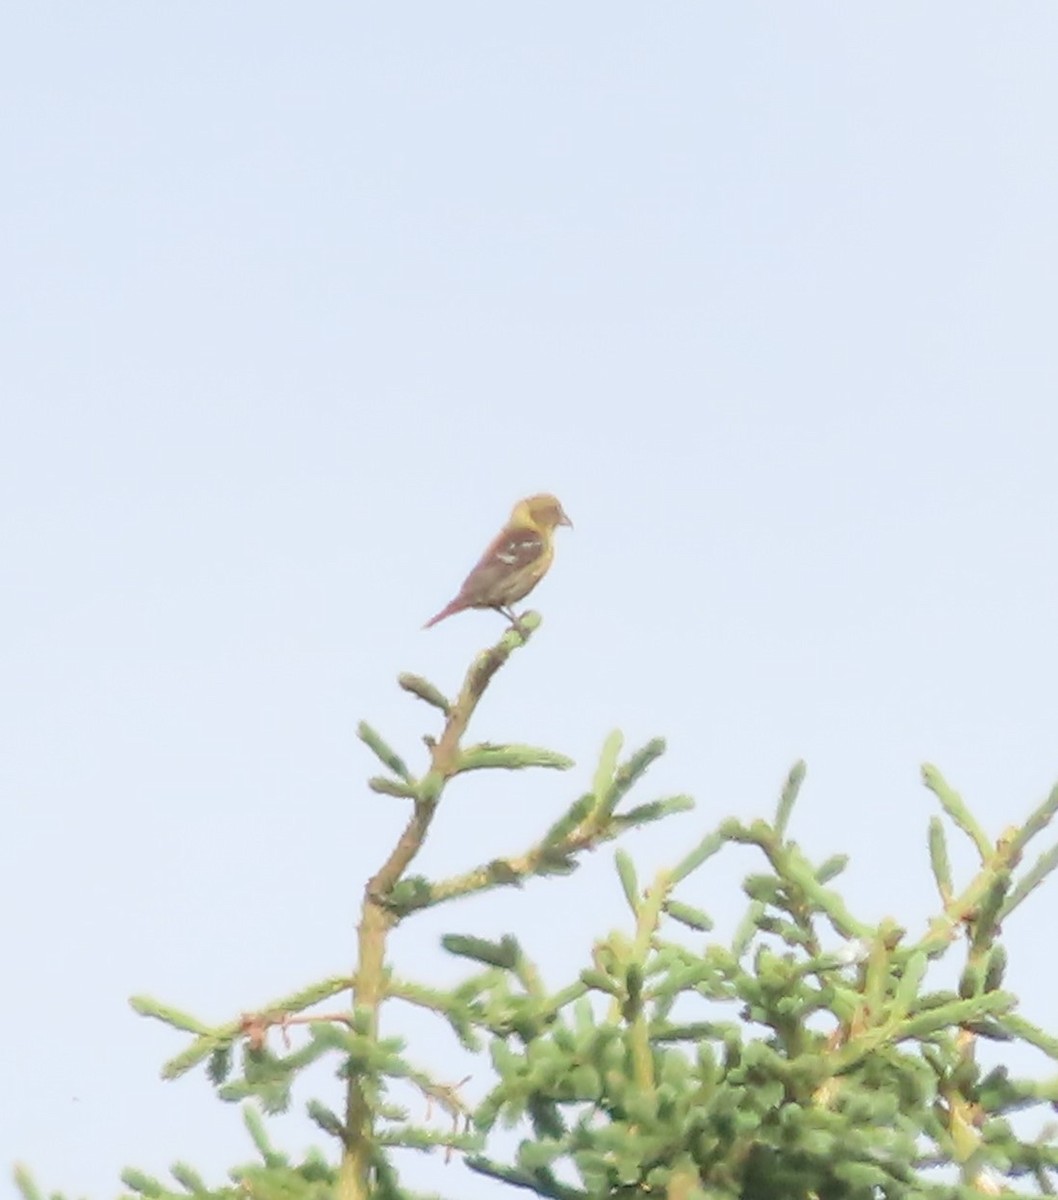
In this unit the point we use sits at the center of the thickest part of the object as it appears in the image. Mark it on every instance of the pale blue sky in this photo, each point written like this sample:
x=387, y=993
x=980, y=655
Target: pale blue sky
x=296, y=303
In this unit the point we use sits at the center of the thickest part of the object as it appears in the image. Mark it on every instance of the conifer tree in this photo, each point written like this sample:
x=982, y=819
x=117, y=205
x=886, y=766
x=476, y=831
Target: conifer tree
x=809, y=1057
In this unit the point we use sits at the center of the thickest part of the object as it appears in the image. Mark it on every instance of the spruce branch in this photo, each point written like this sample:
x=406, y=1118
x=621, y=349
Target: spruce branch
x=694, y=918
x=788, y=797
x=807, y=894
x=1037, y=822
x=939, y=860
x=383, y=751
x=653, y=810
x=978, y=906
x=1031, y=880
x=360, y=1153
x=253, y=1025
x=626, y=872
x=589, y=822
x=706, y=848
x=955, y=807
x=1027, y=1031
x=417, y=686
x=511, y=758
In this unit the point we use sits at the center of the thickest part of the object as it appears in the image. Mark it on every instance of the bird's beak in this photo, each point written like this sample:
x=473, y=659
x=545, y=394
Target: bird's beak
x=564, y=520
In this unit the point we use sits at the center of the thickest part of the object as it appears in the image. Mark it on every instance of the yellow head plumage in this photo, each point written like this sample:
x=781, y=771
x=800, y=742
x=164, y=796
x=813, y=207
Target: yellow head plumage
x=542, y=512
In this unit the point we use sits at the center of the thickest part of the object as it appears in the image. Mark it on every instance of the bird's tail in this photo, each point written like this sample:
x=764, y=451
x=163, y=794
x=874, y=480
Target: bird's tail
x=454, y=606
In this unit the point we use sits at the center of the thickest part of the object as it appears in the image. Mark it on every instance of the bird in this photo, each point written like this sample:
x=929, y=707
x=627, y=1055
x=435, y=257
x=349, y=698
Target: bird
x=515, y=561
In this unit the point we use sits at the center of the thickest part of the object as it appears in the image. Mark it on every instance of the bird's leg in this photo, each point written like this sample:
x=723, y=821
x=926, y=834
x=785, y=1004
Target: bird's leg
x=512, y=616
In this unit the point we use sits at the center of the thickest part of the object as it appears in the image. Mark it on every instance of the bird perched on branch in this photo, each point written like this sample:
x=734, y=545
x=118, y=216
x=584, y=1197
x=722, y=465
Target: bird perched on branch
x=514, y=563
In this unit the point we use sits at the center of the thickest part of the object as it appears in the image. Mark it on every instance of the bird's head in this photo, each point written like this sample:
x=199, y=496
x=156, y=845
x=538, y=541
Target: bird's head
x=542, y=512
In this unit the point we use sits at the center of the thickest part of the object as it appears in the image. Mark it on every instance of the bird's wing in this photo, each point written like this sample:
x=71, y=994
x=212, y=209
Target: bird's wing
x=510, y=553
